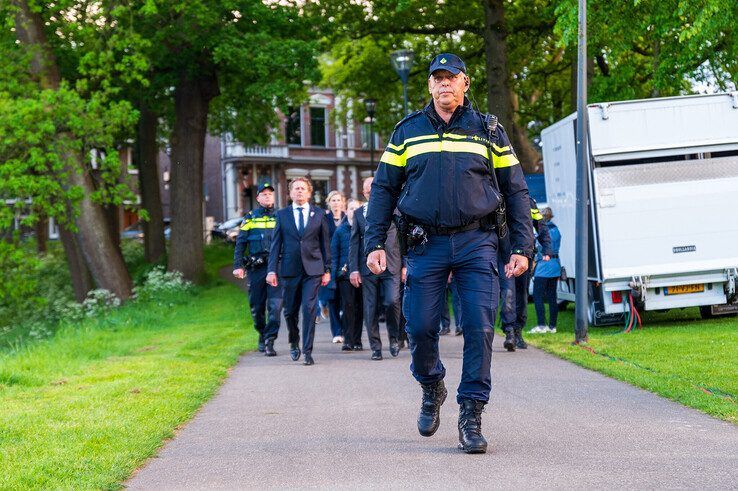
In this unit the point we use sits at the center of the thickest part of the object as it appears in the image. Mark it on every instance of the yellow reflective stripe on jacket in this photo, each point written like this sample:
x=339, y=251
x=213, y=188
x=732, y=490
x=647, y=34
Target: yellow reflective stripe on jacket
x=446, y=146
x=262, y=222
x=398, y=160
x=398, y=155
x=400, y=148
x=535, y=214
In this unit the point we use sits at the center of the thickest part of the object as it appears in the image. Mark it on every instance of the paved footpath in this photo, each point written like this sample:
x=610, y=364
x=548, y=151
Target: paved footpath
x=349, y=423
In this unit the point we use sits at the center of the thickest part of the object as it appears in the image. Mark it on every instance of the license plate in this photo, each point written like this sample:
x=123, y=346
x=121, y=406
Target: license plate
x=681, y=289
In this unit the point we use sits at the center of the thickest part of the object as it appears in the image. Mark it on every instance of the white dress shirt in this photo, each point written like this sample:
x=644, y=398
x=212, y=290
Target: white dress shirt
x=305, y=214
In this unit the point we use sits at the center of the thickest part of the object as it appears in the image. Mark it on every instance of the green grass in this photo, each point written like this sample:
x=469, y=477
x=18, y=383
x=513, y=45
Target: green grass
x=88, y=406
x=676, y=355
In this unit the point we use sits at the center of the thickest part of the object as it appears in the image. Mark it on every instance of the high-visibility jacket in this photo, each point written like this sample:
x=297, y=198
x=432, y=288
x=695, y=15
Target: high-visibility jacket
x=439, y=174
x=255, y=235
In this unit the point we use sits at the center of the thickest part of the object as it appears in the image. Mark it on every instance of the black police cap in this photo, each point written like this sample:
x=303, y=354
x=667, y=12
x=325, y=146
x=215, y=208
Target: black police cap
x=264, y=186
x=447, y=61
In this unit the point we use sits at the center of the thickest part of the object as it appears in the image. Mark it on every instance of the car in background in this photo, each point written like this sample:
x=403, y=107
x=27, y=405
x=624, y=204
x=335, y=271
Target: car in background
x=227, y=231
x=135, y=230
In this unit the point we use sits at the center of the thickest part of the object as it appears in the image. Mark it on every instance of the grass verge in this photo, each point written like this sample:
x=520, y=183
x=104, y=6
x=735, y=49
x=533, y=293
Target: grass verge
x=86, y=407
x=676, y=355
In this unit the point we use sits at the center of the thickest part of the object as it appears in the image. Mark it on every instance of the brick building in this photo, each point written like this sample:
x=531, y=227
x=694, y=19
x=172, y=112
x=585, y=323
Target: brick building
x=306, y=143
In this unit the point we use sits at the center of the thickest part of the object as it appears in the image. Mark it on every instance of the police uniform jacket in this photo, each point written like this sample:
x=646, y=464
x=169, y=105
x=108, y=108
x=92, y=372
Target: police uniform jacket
x=439, y=174
x=255, y=236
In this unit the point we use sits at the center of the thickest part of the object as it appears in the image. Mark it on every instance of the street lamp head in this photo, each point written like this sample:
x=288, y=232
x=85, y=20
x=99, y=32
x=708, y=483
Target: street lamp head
x=402, y=61
x=371, y=107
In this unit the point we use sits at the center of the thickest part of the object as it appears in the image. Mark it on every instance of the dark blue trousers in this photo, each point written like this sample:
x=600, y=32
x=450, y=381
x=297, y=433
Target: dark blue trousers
x=264, y=297
x=301, y=291
x=472, y=257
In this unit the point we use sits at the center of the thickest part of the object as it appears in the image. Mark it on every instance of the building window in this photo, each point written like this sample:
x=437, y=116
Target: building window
x=293, y=134
x=317, y=126
x=365, y=137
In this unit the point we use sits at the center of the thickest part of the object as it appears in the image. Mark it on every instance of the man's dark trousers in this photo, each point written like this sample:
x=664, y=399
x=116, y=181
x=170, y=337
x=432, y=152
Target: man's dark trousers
x=472, y=256
x=352, y=316
x=264, y=297
x=521, y=299
x=381, y=290
x=301, y=290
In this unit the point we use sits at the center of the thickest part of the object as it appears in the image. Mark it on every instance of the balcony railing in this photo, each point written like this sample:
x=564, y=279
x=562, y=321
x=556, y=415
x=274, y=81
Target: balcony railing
x=235, y=150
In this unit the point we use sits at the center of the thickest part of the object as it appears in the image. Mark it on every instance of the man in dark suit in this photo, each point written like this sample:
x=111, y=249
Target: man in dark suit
x=300, y=255
x=379, y=289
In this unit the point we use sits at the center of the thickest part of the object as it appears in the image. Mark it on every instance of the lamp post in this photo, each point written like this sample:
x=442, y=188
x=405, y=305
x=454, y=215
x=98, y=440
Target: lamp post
x=371, y=107
x=402, y=61
x=582, y=188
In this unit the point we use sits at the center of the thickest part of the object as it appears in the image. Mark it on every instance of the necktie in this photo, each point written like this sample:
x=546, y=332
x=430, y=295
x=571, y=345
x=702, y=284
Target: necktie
x=301, y=221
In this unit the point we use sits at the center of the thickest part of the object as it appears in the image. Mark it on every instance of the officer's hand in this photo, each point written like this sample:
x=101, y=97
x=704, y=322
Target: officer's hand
x=403, y=274
x=355, y=279
x=450, y=277
x=239, y=273
x=518, y=265
x=271, y=279
x=325, y=279
x=376, y=261
x=546, y=258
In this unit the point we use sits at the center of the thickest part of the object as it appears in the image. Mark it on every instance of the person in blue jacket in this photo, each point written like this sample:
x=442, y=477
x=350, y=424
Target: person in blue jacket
x=545, y=279
x=446, y=169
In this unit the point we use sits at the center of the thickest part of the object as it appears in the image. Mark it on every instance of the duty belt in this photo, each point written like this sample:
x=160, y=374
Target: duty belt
x=451, y=230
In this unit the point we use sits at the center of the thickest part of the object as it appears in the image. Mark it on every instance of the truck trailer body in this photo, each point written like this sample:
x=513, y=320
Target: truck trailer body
x=663, y=186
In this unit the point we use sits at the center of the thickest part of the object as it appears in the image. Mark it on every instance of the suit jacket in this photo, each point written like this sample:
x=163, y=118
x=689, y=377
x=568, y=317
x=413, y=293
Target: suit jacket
x=291, y=254
x=357, y=257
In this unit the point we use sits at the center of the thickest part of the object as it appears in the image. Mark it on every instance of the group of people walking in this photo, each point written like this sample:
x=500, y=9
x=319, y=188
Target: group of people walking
x=448, y=209
x=301, y=254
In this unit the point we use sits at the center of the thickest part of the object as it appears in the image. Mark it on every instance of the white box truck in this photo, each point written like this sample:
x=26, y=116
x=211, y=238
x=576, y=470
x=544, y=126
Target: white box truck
x=663, y=184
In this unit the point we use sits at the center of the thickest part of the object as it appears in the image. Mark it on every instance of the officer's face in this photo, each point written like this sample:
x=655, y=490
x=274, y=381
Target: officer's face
x=448, y=89
x=299, y=192
x=266, y=198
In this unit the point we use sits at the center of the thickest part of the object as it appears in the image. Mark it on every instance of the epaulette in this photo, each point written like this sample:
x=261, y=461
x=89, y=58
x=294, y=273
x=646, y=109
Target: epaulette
x=409, y=116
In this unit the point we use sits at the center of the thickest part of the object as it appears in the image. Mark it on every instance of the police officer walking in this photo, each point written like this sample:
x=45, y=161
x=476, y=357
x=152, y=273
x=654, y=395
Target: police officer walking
x=251, y=255
x=447, y=169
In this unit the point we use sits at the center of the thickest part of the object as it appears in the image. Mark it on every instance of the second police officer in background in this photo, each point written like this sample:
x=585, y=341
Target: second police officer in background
x=251, y=257
x=447, y=169
x=514, y=291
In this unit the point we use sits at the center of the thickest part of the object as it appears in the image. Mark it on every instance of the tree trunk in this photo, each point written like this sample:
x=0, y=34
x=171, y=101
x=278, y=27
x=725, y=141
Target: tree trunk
x=499, y=100
x=148, y=183
x=81, y=279
x=499, y=95
x=101, y=255
x=42, y=234
x=191, y=102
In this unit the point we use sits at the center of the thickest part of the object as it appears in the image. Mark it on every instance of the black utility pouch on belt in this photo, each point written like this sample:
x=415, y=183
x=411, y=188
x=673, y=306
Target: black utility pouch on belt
x=402, y=229
x=498, y=218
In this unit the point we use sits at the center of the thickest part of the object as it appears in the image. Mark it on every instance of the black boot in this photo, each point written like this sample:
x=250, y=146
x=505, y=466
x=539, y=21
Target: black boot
x=261, y=347
x=269, y=348
x=519, y=341
x=470, y=427
x=509, y=343
x=430, y=410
